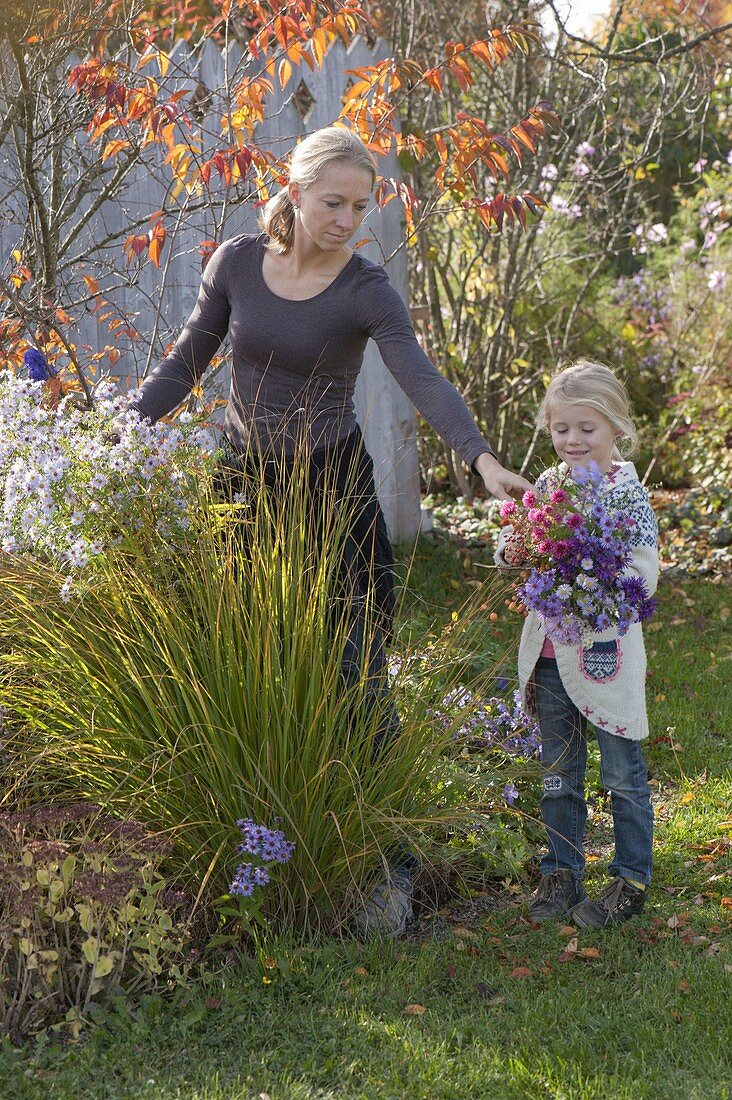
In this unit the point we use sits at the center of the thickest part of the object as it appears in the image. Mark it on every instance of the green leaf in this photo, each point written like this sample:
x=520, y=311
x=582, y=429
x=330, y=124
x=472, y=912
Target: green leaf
x=104, y=965
x=90, y=949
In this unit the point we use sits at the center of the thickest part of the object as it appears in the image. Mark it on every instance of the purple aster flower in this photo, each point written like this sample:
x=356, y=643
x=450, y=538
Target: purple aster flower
x=510, y=793
x=260, y=876
x=589, y=475
x=243, y=882
x=633, y=588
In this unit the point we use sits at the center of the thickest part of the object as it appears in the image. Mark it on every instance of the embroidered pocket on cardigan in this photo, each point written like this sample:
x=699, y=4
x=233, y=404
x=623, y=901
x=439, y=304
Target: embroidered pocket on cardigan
x=601, y=661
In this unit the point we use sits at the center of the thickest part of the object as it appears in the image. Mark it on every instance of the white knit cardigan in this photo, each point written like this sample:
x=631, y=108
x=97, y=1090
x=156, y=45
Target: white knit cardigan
x=606, y=680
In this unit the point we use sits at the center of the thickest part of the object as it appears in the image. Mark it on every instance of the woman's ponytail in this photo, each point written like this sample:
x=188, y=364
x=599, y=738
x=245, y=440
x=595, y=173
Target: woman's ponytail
x=278, y=221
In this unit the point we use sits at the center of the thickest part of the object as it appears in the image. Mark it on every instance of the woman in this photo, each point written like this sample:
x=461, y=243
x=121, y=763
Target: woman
x=299, y=306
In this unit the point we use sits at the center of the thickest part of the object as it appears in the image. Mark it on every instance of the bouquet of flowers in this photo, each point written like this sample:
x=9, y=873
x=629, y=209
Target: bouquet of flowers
x=576, y=552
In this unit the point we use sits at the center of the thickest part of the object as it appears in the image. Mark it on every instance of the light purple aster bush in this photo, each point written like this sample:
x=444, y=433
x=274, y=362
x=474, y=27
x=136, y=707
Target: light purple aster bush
x=68, y=494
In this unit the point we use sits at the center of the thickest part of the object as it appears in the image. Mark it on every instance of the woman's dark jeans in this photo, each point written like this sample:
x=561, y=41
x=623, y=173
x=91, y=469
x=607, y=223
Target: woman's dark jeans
x=563, y=806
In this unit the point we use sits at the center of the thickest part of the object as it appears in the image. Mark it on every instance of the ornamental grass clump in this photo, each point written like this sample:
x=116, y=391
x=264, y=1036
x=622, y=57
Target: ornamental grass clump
x=85, y=914
x=210, y=691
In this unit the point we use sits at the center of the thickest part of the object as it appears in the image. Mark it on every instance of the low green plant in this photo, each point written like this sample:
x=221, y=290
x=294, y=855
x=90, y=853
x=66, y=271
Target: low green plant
x=85, y=914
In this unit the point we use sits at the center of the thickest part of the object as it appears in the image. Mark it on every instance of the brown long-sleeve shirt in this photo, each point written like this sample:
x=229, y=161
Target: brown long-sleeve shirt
x=295, y=363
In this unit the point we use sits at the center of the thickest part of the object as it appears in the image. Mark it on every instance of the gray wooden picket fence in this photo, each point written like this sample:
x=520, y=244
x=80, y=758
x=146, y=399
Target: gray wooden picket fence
x=160, y=300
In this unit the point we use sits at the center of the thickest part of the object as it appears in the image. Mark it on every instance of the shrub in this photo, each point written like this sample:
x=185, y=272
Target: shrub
x=85, y=913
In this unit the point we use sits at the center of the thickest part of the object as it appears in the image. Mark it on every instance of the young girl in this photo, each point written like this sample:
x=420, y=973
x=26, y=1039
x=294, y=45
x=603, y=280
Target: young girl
x=586, y=411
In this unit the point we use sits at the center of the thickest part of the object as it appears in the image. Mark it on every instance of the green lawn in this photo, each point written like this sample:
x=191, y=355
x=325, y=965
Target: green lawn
x=503, y=1010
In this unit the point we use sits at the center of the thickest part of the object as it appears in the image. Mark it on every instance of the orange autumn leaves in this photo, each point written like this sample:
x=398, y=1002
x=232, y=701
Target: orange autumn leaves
x=132, y=110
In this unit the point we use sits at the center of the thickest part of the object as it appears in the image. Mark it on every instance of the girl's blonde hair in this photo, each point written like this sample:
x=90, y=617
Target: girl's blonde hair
x=590, y=383
x=331, y=145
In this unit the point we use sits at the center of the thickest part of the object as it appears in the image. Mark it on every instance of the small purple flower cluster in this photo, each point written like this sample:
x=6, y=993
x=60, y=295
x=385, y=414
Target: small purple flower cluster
x=37, y=366
x=578, y=550
x=511, y=728
x=637, y=292
x=493, y=723
x=269, y=846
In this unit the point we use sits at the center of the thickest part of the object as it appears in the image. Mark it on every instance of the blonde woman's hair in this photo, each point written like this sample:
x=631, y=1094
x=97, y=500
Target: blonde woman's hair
x=331, y=145
x=590, y=383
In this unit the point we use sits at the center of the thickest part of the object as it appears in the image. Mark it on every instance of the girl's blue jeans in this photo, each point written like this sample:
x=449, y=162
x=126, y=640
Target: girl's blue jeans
x=563, y=806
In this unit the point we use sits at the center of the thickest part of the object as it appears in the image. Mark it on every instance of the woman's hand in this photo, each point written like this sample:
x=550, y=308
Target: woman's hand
x=500, y=482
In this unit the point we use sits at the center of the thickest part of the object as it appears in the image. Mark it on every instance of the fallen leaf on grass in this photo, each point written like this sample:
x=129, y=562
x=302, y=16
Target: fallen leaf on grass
x=521, y=972
x=212, y=1003
x=361, y=972
x=570, y=950
x=567, y=930
x=726, y=903
x=675, y=921
x=683, y=986
x=589, y=953
x=464, y=933
x=414, y=1010
x=686, y=798
x=451, y=971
